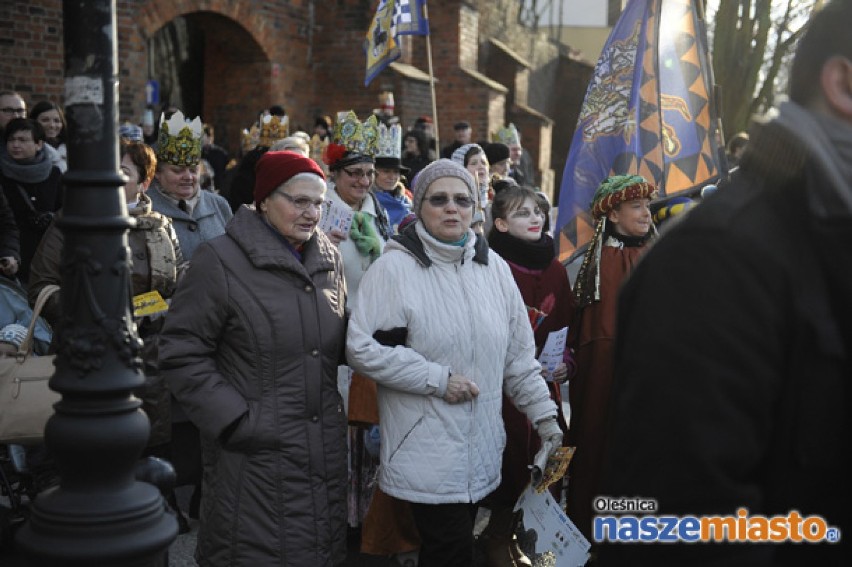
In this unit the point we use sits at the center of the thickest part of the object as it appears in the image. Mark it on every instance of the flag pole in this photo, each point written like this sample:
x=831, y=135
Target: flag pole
x=432, y=80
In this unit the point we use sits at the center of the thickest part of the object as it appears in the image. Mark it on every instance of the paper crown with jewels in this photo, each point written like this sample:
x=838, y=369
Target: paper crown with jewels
x=508, y=135
x=356, y=137
x=179, y=141
x=266, y=132
x=351, y=138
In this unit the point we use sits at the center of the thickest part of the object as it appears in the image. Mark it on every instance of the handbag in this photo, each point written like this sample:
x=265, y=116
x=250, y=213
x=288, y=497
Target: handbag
x=26, y=400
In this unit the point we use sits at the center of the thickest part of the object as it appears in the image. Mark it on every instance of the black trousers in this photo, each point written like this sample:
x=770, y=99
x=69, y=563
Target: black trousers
x=446, y=531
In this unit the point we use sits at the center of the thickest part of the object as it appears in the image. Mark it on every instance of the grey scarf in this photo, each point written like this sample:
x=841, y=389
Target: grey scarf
x=34, y=170
x=829, y=141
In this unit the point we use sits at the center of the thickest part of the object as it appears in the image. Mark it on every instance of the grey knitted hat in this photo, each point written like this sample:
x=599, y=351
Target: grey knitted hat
x=461, y=152
x=436, y=170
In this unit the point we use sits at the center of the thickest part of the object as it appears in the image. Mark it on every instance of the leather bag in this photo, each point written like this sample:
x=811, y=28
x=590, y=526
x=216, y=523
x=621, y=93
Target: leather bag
x=26, y=401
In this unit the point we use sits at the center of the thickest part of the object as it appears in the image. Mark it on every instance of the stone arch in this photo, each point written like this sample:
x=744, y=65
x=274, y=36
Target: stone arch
x=237, y=62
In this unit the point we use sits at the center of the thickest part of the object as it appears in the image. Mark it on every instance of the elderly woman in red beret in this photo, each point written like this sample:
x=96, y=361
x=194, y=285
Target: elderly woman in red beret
x=250, y=349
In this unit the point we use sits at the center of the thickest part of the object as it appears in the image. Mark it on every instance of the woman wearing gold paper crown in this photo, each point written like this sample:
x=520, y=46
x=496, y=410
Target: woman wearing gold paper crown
x=256, y=141
x=624, y=227
x=352, y=170
x=197, y=215
x=360, y=234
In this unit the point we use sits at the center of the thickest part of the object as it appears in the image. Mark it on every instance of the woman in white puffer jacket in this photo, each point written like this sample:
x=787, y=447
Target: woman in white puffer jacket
x=441, y=327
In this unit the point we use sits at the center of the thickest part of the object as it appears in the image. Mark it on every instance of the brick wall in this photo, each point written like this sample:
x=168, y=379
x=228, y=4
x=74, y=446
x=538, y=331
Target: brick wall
x=31, y=51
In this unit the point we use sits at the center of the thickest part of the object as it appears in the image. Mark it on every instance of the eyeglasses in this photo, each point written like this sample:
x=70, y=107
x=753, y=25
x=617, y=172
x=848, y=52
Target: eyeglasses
x=303, y=203
x=438, y=201
x=10, y=110
x=359, y=173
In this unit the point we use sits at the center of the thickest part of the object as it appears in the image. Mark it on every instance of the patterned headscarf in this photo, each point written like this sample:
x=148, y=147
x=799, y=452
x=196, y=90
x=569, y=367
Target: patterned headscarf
x=617, y=189
x=610, y=193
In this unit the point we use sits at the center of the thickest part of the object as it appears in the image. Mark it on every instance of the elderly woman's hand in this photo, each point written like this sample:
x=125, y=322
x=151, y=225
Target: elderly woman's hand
x=460, y=389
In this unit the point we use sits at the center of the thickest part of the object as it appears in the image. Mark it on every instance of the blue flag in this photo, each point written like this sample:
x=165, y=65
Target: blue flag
x=648, y=111
x=393, y=18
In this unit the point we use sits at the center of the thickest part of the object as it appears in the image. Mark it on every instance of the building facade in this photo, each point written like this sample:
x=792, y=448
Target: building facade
x=226, y=60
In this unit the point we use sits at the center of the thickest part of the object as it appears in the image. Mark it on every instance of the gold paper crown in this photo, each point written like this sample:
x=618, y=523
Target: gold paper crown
x=184, y=146
x=272, y=129
x=250, y=138
x=508, y=135
x=354, y=136
x=389, y=143
x=269, y=130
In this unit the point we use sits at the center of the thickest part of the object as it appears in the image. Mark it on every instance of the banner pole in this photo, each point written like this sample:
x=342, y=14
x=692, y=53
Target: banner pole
x=432, y=81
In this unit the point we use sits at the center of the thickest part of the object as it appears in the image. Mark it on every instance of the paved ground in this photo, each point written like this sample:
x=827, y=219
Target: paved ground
x=181, y=551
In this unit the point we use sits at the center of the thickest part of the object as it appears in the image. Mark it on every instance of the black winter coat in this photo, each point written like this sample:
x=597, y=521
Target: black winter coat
x=733, y=363
x=250, y=348
x=34, y=206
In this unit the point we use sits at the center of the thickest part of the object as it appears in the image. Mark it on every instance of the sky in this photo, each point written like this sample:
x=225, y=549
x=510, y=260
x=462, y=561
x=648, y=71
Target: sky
x=590, y=13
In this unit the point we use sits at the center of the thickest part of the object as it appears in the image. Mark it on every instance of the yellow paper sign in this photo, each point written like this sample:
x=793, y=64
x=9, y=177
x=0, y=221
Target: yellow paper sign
x=148, y=304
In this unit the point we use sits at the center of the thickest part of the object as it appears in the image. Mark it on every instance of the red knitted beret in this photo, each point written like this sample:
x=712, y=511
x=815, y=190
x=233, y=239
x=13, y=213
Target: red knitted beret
x=275, y=168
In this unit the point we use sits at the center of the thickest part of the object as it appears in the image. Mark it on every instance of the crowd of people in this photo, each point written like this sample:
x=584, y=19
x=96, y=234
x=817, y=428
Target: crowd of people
x=354, y=326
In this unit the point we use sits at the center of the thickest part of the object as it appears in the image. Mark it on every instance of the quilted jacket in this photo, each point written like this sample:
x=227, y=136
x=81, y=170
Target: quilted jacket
x=207, y=220
x=256, y=336
x=463, y=313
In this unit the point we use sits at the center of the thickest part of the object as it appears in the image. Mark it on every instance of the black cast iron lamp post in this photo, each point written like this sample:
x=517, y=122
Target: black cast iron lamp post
x=99, y=515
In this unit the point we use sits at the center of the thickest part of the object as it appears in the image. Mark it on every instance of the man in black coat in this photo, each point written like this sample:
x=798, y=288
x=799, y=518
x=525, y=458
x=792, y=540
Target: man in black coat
x=734, y=337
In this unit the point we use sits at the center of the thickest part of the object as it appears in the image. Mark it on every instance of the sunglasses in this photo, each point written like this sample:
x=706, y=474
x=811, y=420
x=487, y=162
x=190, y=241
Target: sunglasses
x=438, y=201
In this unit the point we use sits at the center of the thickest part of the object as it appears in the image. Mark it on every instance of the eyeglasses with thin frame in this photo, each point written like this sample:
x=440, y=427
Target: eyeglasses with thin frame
x=303, y=203
x=359, y=173
x=439, y=201
x=10, y=110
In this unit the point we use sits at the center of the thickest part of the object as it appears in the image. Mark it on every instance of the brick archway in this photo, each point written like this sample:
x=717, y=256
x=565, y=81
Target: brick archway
x=240, y=75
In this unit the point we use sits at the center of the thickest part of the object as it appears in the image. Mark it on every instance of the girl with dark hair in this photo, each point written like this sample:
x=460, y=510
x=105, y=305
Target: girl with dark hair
x=52, y=119
x=518, y=236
